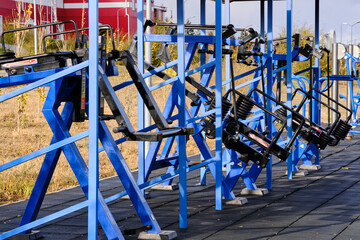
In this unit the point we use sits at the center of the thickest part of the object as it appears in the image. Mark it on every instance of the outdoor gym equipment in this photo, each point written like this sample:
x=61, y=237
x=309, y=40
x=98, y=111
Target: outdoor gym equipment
x=241, y=108
x=65, y=90
x=203, y=96
x=16, y=67
x=314, y=133
x=124, y=126
x=178, y=93
x=352, y=74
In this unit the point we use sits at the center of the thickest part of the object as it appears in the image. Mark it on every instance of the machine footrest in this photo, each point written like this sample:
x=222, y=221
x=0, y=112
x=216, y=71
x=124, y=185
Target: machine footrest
x=154, y=136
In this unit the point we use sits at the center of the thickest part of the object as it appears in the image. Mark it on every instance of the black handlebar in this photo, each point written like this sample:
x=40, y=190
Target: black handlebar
x=41, y=26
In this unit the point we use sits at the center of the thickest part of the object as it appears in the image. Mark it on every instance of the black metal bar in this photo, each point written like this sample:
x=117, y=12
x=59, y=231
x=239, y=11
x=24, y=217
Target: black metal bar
x=101, y=27
x=328, y=84
x=163, y=53
x=200, y=26
x=266, y=111
x=263, y=88
x=200, y=87
x=143, y=89
x=284, y=38
x=278, y=85
x=233, y=89
x=308, y=96
x=40, y=26
x=337, y=103
x=115, y=105
x=302, y=122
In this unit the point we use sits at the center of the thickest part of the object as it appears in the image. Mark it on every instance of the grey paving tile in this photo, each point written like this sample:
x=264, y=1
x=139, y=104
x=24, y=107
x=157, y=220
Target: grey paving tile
x=322, y=205
x=245, y=233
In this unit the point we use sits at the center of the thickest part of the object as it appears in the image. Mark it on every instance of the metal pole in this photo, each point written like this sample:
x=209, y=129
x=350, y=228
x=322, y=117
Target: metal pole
x=335, y=87
x=316, y=69
x=93, y=120
x=203, y=32
x=348, y=89
x=148, y=57
x=289, y=160
x=269, y=83
x=35, y=30
x=227, y=57
x=328, y=86
x=218, y=100
x=227, y=72
x=348, y=94
x=202, y=62
x=141, y=107
x=316, y=108
x=181, y=108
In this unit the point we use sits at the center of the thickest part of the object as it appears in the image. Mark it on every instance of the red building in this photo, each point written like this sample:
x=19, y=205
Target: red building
x=121, y=14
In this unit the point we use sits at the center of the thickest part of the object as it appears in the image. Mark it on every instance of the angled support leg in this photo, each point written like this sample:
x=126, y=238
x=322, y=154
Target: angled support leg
x=45, y=174
x=60, y=126
x=80, y=170
x=127, y=179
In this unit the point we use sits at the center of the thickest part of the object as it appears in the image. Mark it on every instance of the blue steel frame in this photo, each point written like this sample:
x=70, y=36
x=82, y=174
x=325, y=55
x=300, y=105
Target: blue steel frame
x=93, y=133
x=141, y=106
x=249, y=178
x=182, y=65
x=93, y=19
x=301, y=151
x=62, y=140
x=351, y=62
x=269, y=83
x=317, y=74
x=289, y=8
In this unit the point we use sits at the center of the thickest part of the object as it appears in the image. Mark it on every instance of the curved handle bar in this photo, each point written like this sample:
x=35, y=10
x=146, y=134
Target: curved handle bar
x=81, y=29
x=40, y=26
x=277, y=136
x=308, y=96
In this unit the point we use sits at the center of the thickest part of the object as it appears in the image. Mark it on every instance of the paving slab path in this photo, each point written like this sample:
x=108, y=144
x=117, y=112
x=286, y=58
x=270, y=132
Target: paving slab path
x=324, y=204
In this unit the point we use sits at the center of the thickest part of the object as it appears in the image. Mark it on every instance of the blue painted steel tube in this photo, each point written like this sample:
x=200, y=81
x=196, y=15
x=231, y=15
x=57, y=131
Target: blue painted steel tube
x=93, y=120
x=317, y=108
x=43, y=151
x=181, y=108
x=289, y=82
x=82, y=205
x=203, y=32
x=43, y=81
x=141, y=107
x=262, y=34
x=218, y=98
x=146, y=75
x=126, y=177
x=269, y=84
x=49, y=163
x=228, y=58
x=202, y=62
x=30, y=78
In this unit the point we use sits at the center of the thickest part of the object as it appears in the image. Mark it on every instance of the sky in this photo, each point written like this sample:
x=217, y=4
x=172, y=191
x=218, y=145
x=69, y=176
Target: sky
x=333, y=15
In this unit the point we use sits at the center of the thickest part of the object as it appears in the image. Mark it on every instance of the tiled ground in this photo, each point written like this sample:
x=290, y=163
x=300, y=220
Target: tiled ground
x=322, y=205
